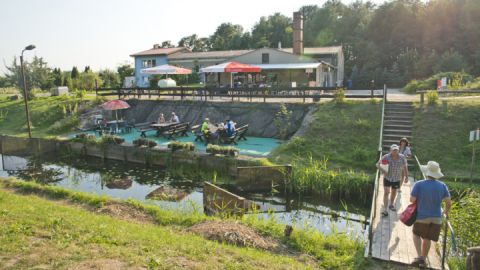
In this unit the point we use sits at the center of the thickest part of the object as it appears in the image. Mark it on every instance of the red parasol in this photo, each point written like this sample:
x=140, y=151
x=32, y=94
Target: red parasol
x=115, y=105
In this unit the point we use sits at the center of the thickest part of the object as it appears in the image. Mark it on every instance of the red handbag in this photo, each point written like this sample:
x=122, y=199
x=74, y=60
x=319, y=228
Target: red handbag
x=409, y=215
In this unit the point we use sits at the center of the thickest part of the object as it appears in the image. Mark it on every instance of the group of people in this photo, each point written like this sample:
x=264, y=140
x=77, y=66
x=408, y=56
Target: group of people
x=428, y=194
x=173, y=119
x=214, y=132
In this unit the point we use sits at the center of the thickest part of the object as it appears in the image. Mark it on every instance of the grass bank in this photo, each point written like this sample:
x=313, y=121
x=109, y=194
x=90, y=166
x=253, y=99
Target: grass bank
x=441, y=133
x=336, y=155
x=50, y=116
x=82, y=237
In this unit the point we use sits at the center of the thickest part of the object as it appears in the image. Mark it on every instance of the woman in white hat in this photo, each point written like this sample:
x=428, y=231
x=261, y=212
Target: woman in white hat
x=428, y=195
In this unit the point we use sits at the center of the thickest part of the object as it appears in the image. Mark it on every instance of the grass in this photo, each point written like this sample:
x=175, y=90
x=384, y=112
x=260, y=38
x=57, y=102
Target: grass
x=50, y=116
x=336, y=155
x=78, y=235
x=441, y=133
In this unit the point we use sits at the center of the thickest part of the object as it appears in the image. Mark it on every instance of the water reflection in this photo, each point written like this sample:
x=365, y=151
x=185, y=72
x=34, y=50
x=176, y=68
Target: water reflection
x=156, y=186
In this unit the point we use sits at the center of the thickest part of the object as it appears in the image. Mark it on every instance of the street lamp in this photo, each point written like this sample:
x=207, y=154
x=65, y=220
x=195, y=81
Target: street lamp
x=25, y=97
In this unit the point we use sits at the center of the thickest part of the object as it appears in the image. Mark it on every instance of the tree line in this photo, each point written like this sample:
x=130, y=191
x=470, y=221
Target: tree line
x=392, y=43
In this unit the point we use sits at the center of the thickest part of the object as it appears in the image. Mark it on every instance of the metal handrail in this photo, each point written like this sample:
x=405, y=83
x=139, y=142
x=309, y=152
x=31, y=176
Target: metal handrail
x=373, y=213
x=448, y=227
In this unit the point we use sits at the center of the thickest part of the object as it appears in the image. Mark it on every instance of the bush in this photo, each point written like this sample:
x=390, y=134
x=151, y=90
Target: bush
x=64, y=124
x=222, y=150
x=111, y=139
x=85, y=138
x=339, y=96
x=144, y=142
x=181, y=145
x=432, y=97
x=464, y=217
x=456, y=79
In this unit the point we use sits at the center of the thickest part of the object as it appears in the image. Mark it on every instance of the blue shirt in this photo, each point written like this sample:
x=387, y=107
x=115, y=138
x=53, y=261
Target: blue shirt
x=429, y=194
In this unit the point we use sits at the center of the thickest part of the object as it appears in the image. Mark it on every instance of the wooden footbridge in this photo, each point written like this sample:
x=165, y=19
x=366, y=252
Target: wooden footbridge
x=389, y=239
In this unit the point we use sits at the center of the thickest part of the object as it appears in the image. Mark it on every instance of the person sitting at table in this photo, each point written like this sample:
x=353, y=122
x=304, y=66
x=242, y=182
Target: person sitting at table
x=161, y=118
x=174, y=118
x=230, y=128
x=204, y=128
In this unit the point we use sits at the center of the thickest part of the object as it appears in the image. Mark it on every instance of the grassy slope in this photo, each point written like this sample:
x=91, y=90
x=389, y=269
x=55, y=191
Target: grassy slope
x=336, y=251
x=44, y=112
x=40, y=232
x=346, y=134
x=441, y=133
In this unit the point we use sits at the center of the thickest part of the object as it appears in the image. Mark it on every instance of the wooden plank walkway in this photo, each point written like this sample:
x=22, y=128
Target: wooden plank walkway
x=391, y=239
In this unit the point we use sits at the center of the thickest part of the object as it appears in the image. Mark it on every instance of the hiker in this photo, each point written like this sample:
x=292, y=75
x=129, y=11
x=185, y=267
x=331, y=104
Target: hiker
x=428, y=194
x=404, y=146
x=174, y=118
x=161, y=118
x=397, y=171
x=404, y=149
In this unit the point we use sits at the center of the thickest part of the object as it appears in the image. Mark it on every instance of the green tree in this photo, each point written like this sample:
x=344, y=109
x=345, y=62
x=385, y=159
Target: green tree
x=86, y=81
x=167, y=44
x=57, y=77
x=227, y=37
x=451, y=61
x=74, y=74
x=37, y=74
x=110, y=78
x=125, y=71
x=271, y=30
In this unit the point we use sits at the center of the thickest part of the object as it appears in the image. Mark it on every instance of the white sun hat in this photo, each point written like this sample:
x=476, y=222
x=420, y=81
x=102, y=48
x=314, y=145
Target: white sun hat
x=432, y=169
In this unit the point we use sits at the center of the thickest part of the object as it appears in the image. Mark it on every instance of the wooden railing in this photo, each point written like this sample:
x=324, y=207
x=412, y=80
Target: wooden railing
x=448, y=227
x=373, y=211
x=206, y=93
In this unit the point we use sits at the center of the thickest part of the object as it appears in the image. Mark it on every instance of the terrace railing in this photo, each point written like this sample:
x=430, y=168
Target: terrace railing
x=373, y=211
x=250, y=93
x=448, y=228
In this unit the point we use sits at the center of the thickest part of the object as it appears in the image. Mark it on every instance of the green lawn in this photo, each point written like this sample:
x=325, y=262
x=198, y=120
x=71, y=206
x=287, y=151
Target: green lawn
x=41, y=233
x=441, y=133
x=50, y=116
x=336, y=155
x=64, y=226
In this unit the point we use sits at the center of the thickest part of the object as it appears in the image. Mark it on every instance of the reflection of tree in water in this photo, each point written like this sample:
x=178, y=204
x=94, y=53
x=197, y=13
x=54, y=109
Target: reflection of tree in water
x=35, y=171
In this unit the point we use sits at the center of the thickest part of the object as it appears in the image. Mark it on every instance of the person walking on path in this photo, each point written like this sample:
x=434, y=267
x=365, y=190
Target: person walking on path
x=405, y=150
x=428, y=194
x=397, y=171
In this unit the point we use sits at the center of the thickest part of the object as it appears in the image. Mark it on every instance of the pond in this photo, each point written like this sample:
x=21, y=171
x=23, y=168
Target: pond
x=137, y=181
x=253, y=146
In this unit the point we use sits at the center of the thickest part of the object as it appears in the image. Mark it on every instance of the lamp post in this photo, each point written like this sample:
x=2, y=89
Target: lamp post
x=25, y=97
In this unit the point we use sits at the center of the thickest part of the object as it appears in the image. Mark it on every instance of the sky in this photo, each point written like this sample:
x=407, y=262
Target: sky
x=103, y=33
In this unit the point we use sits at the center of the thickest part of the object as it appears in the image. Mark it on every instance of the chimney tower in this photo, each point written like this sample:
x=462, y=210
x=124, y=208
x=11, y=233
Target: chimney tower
x=297, y=33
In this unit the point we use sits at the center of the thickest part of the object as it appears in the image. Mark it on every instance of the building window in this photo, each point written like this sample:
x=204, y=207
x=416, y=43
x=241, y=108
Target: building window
x=265, y=58
x=148, y=63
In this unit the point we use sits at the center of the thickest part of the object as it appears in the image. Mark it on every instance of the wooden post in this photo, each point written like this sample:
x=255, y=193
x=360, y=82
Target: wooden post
x=422, y=98
x=96, y=88
x=264, y=96
x=118, y=92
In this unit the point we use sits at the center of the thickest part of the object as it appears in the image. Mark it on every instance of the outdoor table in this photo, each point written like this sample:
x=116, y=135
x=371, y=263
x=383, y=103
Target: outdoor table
x=115, y=125
x=161, y=127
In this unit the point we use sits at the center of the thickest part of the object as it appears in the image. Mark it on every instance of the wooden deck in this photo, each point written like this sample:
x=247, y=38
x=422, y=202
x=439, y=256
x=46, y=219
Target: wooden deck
x=391, y=239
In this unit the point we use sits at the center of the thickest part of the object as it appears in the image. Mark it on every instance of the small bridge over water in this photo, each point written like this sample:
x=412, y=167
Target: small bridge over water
x=389, y=239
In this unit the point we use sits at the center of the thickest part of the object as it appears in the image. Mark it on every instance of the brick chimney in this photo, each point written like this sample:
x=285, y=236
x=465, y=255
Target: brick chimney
x=297, y=33
x=156, y=46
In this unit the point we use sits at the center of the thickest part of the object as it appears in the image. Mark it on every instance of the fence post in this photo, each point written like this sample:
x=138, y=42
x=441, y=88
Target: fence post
x=118, y=92
x=96, y=88
x=422, y=98
x=264, y=96
x=444, y=246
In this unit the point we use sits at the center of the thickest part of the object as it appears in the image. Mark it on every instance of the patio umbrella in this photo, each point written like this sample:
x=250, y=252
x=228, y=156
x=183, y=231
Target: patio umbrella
x=231, y=67
x=166, y=69
x=114, y=105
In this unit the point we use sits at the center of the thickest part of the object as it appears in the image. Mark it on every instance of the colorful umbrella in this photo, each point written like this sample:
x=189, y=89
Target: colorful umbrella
x=166, y=69
x=231, y=67
x=114, y=105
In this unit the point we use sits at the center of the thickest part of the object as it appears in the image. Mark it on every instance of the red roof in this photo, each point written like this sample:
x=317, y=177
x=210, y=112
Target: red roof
x=160, y=51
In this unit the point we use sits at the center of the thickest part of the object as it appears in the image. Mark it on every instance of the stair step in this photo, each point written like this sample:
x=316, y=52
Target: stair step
x=396, y=127
x=403, y=117
x=396, y=137
x=395, y=121
x=391, y=113
x=400, y=103
x=396, y=131
x=390, y=141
